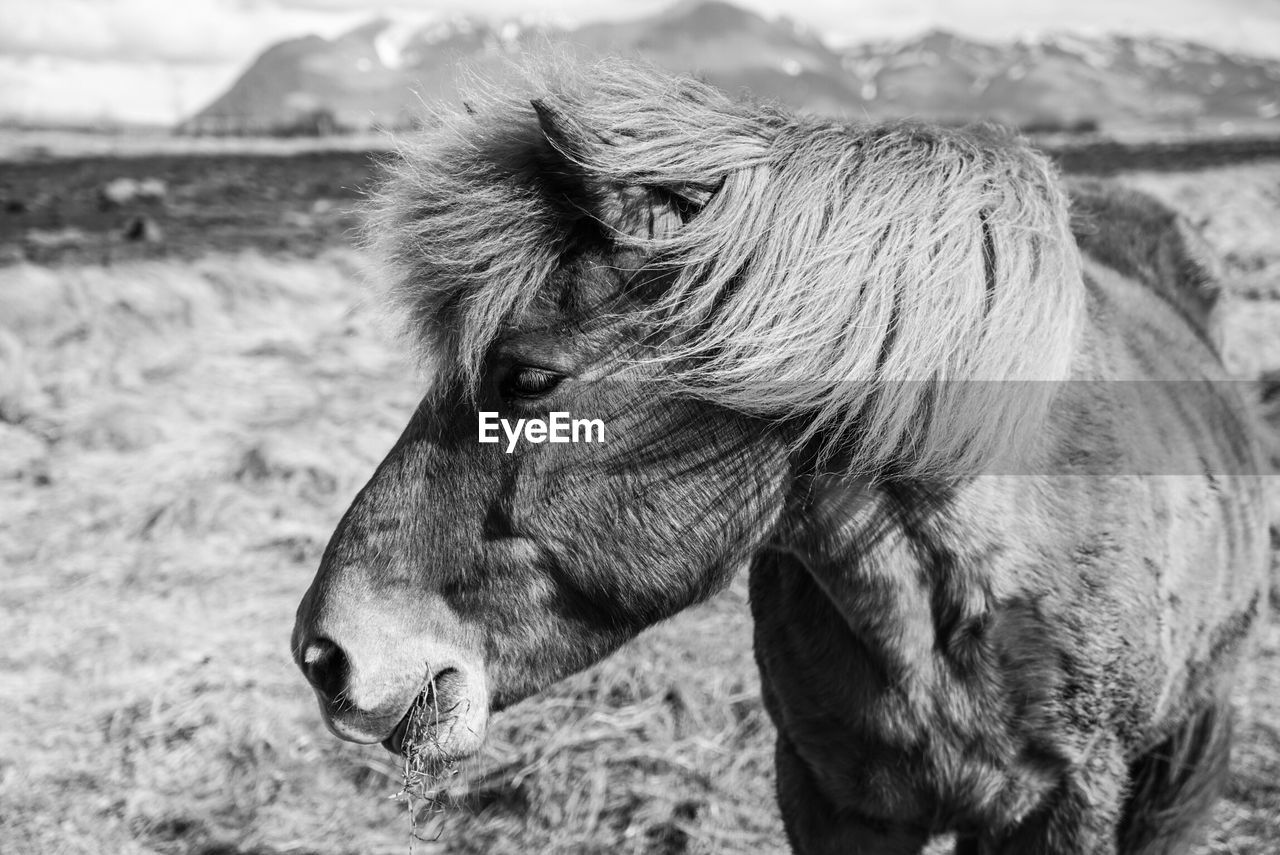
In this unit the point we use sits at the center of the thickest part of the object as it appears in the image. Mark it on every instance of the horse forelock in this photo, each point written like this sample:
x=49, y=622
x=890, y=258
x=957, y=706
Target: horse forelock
x=467, y=235
x=903, y=286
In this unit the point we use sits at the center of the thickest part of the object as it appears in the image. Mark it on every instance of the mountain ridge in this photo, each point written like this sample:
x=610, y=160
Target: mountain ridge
x=380, y=73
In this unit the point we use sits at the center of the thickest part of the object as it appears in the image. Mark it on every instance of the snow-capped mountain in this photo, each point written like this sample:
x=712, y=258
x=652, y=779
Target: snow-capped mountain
x=380, y=74
x=1065, y=79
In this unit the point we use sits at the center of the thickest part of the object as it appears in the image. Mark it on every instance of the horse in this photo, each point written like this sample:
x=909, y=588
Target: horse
x=964, y=423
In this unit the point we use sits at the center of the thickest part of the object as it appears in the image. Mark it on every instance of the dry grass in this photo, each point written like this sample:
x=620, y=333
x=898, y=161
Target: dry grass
x=176, y=443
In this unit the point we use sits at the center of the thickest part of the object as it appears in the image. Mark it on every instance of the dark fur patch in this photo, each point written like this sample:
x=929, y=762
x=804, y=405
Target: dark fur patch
x=1035, y=674
x=1148, y=241
x=1173, y=788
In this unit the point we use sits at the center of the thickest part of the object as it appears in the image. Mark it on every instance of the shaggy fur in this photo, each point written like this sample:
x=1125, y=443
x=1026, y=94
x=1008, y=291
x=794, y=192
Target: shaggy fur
x=853, y=278
x=812, y=346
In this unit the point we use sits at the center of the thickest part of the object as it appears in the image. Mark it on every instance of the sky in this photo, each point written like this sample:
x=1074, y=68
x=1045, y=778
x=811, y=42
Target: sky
x=160, y=60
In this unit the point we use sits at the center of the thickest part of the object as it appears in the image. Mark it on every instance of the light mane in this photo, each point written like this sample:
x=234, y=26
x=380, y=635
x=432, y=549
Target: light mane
x=889, y=288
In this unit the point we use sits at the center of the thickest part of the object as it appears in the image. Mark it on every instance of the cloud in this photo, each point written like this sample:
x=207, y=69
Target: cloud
x=579, y=10
x=139, y=60
x=193, y=31
x=208, y=31
x=59, y=89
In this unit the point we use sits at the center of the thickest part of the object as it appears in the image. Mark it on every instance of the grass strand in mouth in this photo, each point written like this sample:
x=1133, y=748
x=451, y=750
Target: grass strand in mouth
x=424, y=770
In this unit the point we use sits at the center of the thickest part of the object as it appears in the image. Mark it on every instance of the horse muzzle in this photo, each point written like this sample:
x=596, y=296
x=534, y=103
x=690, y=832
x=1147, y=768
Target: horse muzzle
x=439, y=709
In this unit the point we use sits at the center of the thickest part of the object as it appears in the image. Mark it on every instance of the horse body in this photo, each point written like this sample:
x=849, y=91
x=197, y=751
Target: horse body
x=965, y=656
x=1004, y=596
x=971, y=656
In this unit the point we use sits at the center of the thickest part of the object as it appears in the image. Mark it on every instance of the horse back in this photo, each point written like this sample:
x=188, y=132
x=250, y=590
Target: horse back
x=1140, y=237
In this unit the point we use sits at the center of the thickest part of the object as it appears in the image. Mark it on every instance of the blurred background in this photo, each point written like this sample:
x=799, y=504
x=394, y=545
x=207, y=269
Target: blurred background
x=195, y=380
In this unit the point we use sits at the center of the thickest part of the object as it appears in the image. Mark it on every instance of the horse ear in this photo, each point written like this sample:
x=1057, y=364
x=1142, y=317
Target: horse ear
x=565, y=133
x=631, y=210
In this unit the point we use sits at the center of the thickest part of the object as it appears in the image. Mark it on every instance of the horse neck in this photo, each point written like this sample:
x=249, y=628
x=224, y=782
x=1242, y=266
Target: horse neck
x=903, y=564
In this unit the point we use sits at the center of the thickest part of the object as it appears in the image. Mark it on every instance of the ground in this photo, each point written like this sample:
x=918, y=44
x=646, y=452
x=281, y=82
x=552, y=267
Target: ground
x=177, y=440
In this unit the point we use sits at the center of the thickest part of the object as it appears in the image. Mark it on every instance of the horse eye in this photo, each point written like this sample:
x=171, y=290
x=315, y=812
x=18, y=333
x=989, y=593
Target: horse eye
x=525, y=381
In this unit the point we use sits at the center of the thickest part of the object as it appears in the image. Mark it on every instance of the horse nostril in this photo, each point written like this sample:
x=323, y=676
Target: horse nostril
x=325, y=666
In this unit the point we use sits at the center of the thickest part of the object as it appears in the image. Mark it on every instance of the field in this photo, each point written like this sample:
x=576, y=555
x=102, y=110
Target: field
x=295, y=198
x=180, y=431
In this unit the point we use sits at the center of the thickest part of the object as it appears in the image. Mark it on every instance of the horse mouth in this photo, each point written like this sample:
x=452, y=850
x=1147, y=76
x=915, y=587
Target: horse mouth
x=441, y=723
x=395, y=742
